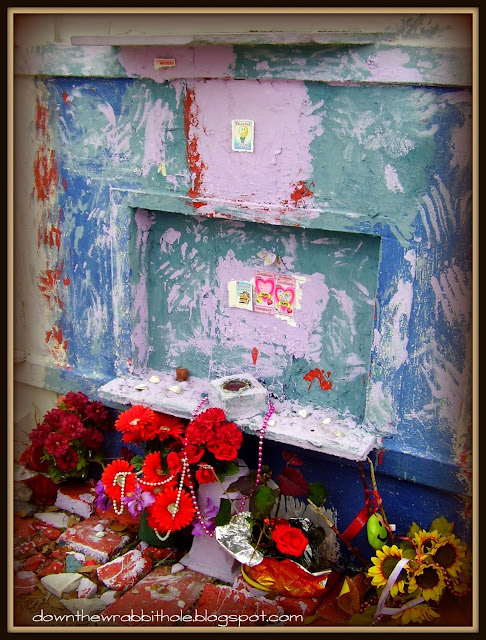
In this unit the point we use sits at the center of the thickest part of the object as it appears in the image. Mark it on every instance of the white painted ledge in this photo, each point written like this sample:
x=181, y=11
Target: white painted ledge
x=321, y=430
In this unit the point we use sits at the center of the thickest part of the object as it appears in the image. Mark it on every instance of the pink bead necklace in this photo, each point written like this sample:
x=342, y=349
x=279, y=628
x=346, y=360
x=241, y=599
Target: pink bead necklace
x=259, y=467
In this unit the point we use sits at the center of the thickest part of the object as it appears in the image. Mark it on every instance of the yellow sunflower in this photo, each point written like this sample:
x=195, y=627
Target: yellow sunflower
x=449, y=552
x=419, y=613
x=425, y=541
x=429, y=580
x=385, y=561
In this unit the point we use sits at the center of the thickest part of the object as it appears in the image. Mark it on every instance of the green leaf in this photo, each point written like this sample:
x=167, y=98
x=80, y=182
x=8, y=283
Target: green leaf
x=232, y=469
x=441, y=525
x=137, y=462
x=363, y=619
x=318, y=493
x=224, y=513
x=55, y=475
x=408, y=553
x=81, y=462
x=264, y=500
x=413, y=529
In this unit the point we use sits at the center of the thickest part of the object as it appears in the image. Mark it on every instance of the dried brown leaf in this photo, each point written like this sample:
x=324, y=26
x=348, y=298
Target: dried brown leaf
x=88, y=569
x=117, y=526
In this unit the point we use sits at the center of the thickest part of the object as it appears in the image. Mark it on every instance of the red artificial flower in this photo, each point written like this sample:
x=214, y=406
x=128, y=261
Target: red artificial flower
x=136, y=423
x=164, y=516
x=44, y=490
x=152, y=470
x=54, y=418
x=32, y=458
x=201, y=430
x=73, y=401
x=194, y=454
x=205, y=474
x=222, y=450
x=112, y=486
x=39, y=435
x=96, y=412
x=56, y=444
x=289, y=540
x=230, y=434
x=168, y=426
x=67, y=460
x=93, y=438
x=174, y=462
x=71, y=426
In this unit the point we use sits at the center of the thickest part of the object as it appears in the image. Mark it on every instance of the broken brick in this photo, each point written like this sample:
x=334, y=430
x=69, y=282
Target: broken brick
x=24, y=528
x=25, y=582
x=25, y=549
x=155, y=554
x=160, y=596
x=82, y=537
x=220, y=604
x=34, y=562
x=77, y=498
x=123, y=572
x=54, y=567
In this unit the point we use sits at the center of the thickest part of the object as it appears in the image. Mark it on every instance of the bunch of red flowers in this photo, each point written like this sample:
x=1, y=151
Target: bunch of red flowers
x=69, y=437
x=178, y=457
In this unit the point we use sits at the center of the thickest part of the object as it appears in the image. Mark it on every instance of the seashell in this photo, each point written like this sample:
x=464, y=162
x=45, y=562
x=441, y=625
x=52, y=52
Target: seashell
x=302, y=413
x=100, y=534
x=141, y=387
x=99, y=527
x=154, y=379
x=271, y=423
x=175, y=388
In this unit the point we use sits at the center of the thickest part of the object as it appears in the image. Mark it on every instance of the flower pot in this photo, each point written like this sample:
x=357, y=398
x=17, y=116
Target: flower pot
x=286, y=578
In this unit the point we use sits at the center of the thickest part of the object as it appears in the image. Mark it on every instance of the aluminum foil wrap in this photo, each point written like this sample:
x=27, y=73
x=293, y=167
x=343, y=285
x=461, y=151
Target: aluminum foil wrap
x=235, y=538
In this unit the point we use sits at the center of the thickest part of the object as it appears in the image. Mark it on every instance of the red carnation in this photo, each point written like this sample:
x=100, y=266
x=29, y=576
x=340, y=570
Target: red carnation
x=71, y=426
x=68, y=460
x=54, y=418
x=56, y=444
x=93, y=438
x=39, y=435
x=96, y=412
x=229, y=433
x=74, y=401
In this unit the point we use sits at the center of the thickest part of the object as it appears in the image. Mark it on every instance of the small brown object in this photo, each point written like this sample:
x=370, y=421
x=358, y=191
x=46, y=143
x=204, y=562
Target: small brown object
x=181, y=375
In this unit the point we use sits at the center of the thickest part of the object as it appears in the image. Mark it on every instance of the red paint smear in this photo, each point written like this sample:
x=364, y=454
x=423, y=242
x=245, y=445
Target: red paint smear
x=48, y=285
x=254, y=355
x=381, y=453
x=40, y=118
x=65, y=98
x=64, y=184
x=66, y=281
x=55, y=340
x=46, y=173
x=319, y=374
x=301, y=191
x=196, y=165
x=198, y=205
x=50, y=234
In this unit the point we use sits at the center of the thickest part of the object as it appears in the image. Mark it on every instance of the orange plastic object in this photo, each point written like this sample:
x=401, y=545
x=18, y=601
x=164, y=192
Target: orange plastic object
x=286, y=577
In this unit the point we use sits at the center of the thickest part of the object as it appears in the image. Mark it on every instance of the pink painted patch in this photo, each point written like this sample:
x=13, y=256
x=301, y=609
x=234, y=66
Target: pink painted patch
x=25, y=582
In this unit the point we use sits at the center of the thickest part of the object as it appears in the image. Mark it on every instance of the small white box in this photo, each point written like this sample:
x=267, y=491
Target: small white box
x=240, y=396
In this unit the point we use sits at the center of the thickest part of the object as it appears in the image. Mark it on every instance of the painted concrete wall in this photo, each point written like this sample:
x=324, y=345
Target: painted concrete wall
x=362, y=151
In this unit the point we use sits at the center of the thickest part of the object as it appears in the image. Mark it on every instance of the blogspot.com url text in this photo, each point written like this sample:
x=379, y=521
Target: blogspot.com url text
x=161, y=618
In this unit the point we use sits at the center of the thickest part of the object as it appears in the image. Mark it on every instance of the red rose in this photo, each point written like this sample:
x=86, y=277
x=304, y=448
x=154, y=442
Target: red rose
x=289, y=540
x=174, y=463
x=222, y=450
x=32, y=458
x=194, y=454
x=205, y=474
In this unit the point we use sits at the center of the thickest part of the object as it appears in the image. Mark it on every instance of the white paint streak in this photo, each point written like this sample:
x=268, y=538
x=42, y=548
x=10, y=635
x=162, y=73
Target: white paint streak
x=392, y=181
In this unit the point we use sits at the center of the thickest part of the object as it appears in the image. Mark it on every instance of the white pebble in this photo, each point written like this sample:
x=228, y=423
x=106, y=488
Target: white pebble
x=326, y=421
x=100, y=534
x=154, y=379
x=175, y=389
x=181, y=604
x=302, y=413
x=271, y=423
x=177, y=567
x=339, y=434
x=99, y=527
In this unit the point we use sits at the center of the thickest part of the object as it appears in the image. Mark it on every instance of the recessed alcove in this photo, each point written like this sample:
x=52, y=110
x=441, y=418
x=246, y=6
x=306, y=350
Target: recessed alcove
x=173, y=309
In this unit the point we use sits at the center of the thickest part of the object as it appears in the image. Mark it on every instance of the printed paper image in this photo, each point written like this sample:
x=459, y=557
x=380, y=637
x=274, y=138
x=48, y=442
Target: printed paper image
x=240, y=294
x=264, y=292
x=285, y=295
x=243, y=135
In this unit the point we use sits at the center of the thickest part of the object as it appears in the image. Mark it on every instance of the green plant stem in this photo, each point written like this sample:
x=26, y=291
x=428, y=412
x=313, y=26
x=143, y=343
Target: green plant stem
x=382, y=511
x=353, y=550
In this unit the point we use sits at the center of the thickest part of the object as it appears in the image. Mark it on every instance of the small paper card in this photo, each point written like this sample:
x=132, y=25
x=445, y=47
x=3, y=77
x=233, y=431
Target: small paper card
x=264, y=292
x=285, y=295
x=242, y=135
x=240, y=294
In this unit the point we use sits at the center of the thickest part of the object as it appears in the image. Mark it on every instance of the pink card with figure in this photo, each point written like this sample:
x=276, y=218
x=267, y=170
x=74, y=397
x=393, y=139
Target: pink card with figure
x=264, y=298
x=285, y=296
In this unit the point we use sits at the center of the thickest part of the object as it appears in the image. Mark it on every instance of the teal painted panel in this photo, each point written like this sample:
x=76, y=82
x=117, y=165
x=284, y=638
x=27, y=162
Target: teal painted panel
x=181, y=267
